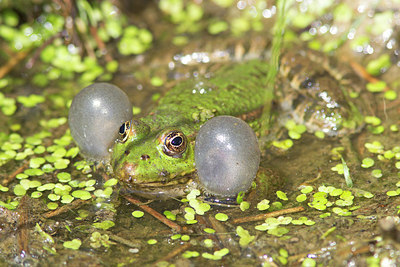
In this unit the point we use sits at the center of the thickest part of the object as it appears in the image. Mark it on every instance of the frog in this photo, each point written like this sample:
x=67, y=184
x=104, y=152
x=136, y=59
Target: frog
x=322, y=93
x=154, y=155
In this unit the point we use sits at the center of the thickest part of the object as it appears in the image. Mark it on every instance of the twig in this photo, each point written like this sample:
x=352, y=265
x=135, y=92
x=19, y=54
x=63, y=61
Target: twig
x=100, y=44
x=23, y=234
x=154, y=213
x=12, y=176
x=175, y=252
x=267, y=215
x=126, y=242
x=35, y=56
x=68, y=207
x=14, y=60
x=226, y=239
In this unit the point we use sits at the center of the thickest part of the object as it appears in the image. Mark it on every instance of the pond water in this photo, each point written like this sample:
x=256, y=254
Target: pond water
x=311, y=213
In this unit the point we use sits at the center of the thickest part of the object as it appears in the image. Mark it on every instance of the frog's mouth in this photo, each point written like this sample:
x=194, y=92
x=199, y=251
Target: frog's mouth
x=174, y=188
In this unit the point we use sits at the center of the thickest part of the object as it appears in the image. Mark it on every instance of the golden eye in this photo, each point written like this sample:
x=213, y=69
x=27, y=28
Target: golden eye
x=175, y=143
x=124, y=132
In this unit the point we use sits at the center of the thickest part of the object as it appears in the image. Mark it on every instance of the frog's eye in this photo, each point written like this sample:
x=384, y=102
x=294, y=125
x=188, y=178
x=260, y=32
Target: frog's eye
x=124, y=132
x=175, y=143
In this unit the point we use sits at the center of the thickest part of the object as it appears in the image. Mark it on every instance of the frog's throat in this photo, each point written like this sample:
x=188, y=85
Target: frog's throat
x=161, y=191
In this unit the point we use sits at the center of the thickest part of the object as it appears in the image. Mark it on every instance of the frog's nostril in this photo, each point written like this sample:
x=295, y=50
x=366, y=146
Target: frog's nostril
x=144, y=157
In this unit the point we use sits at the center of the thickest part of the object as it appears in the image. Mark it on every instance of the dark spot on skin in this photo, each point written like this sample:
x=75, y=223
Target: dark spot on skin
x=144, y=157
x=127, y=152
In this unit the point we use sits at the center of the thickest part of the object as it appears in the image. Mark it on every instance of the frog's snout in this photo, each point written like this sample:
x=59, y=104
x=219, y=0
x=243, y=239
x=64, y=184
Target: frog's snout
x=127, y=172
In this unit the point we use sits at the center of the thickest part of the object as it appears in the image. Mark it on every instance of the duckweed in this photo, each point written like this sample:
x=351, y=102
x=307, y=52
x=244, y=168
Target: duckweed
x=281, y=195
x=152, y=241
x=209, y=230
x=221, y=217
x=301, y=198
x=73, y=244
x=190, y=254
x=219, y=254
x=208, y=243
x=367, y=163
x=81, y=194
x=176, y=236
x=104, y=225
x=244, y=205
x=263, y=205
x=185, y=238
x=245, y=237
x=377, y=173
x=169, y=215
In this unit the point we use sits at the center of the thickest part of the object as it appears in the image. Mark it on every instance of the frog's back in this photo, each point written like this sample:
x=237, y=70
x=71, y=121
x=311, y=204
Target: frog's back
x=234, y=89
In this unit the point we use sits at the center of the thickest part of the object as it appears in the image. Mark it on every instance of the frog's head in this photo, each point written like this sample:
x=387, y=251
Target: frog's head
x=145, y=158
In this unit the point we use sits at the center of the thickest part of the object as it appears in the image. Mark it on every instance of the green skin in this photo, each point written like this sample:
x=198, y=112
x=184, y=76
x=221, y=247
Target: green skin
x=140, y=161
x=312, y=91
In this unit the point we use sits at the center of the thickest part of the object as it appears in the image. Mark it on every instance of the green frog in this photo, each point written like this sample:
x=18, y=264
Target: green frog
x=154, y=155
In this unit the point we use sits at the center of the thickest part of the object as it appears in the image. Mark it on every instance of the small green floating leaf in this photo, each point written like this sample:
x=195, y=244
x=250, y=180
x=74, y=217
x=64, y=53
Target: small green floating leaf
x=390, y=95
x=208, y=243
x=377, y=173
x=278, y=231
x=301, y=198
x=376, y=87
x=105, y=225
x=367, y=163
x=111, y=182
x=61, y=164
x=3, y=188
x=338, y=168
x=36, y=162
x=375, y=121
x=221, y=217
x=156, y=81
x=281, y=195
x=185, y=238
x=392, y=193
x=65, y=199
x=244, y=205
x=209, y=230
x=73, y=244
x=245, y=237
x=169, y=215
x=52, y=205
x=307, y=189
x=320, y=134
x=308, y=262
x=152, y=241
x=64, y=177
x=190, y=254
x=34, y=172
x=176, y=236
x=21, y=176
x=375, y=67
x=53, y=197
x=263, y=205
x=137, y=213
x=49, y=186
x=82, y=194
x=19, y=190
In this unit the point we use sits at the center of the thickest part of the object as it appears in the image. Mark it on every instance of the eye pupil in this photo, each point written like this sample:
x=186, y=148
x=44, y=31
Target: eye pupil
x=177, y=141
x=124, y=132
x=122, y=129
x=174, y=143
